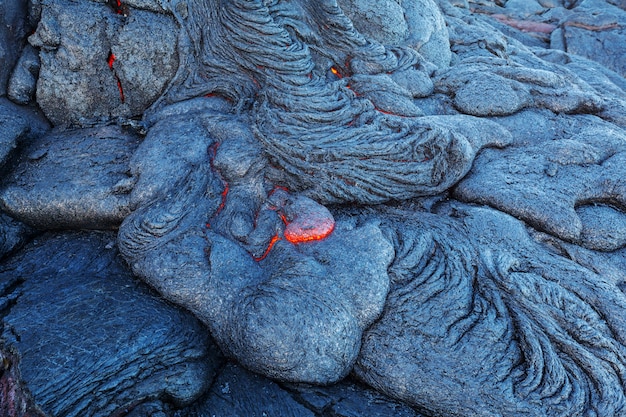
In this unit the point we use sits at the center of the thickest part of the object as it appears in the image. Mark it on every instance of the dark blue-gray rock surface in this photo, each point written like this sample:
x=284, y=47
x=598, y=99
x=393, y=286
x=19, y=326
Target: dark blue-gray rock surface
x=92, y=339
x=426, y=195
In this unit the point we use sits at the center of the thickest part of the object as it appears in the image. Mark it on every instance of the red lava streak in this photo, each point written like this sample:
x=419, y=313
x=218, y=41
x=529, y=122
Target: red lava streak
x=305, y=231
x=110, y=62
x=275, y=239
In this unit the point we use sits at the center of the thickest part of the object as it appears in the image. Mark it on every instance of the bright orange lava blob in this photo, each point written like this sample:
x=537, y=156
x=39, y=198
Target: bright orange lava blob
x=302, y=232
x=307, y=222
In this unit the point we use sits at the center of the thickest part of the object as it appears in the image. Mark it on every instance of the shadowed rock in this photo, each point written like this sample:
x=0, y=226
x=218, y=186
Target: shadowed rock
x=15, y=399
x=72, y=179
x=13, y=28
x=18, y=126
x=94, y=341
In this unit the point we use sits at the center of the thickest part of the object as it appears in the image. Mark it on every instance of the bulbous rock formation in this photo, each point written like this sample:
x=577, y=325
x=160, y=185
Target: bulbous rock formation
x=308, y=186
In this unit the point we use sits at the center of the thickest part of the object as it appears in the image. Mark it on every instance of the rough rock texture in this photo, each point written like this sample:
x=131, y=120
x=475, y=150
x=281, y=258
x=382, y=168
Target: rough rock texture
x=93, y=340
x=550, y=180
x=18, y=126
x=13, y=234
x=23, y=82
x=72, y=179
x=295, y=178
x=15, y=399
x=594, y=30
x=95, y=66
x=245, y=285
x=13, y=28
x=472, y=291
x=237, y=392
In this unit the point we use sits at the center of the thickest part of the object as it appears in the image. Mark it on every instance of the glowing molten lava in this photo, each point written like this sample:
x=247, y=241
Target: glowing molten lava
x=305, y=220
x=335, y=72
x=308, y=231
x=110, y=62
x=273, y=241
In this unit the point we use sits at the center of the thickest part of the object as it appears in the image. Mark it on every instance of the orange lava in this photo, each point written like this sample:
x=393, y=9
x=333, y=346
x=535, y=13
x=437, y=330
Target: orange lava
x=275, y=239
x=300, y=233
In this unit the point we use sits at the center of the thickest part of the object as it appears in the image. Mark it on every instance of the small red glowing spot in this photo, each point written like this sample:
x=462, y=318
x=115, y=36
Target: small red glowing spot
x=273, y=241
x=336, y=72
x=224, y=195
x=119, y=87
x=111, y=60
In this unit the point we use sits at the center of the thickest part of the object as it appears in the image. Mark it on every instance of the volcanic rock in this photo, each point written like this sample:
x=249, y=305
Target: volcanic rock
x=471, y=285
x=18, y=126
x=23, y=81
x=93, y=340
x=545, y=182
x=13, y=28
x=72, y=179
x=114, y=72
x=594, y=30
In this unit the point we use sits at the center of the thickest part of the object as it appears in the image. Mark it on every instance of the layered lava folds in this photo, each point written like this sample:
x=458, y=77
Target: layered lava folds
x=332, y=138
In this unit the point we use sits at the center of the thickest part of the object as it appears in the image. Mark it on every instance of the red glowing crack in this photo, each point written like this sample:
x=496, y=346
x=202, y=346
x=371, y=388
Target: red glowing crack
x=273, y=241
x=304, y=219
x=110, y=61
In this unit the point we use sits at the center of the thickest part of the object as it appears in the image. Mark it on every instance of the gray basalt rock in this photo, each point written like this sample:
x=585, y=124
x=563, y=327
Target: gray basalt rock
x=297, y=190
x=23, y=81
x=544, y=183
x=13, y=234
x=18, y=126
x=92, y=339
x=349, y=399
x=508, y=77
x=480, y=293
x=242, y=285
x=72, y=179
x=113, y=72
x=237, y=392
x=15, y=398
x=595, y=30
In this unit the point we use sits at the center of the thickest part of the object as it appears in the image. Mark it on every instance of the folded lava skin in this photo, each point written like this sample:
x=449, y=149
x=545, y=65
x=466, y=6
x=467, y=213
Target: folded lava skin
x=426, y=196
